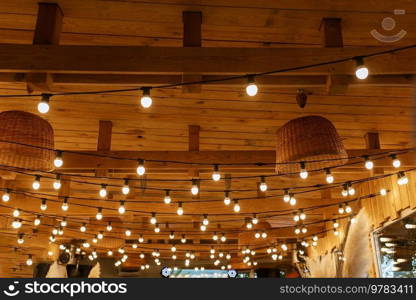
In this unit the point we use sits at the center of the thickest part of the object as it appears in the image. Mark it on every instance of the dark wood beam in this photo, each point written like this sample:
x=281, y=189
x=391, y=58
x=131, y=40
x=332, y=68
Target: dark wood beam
x=105, y=131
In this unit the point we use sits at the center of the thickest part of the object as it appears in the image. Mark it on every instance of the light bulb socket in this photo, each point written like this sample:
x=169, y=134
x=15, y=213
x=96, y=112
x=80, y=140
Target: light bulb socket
x=359, y=61
x=146, y=90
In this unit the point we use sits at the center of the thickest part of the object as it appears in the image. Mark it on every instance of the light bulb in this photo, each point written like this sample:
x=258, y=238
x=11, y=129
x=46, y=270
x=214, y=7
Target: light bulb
x=236, y=206
x=251, y=88
x=179, y=211
x=127, y=232
x=254, y=220
x=153, y=219
x=329, y=176
x=121, y=208
x=304, y=229
x=223, y=238
x=249, y=225
x=395, y=161
x=103, y=191
x=99, y=214
x=140, y=167
x=351, y=191
x=141, y=239
x=183, y=239
x=173, y=249
x=20, y=239
x=109, y=227
x=216, y=175
x=43, y=205
x=58, y=162
x=83, y=228
x=296, y=218
x=383, y=192
x=336, y=232
x=16, y=224
x=263, y=184
x=64, y=222
x=29, y=261
x=257, y=235
x=361, y=71
x=335, y=224
x=194, y=188
x=171, y=235
x=203, y=227
x=341, y=209
x=43, y=105
x=368, y=163
x=227, y=199
x=146, y=100
x=402, y=178
x=303, y=173
x=286, y=196
x=215, y=237
x=353, y=220
x=57, y=183
x=315, y=238
x=344, y=191
x=284, y=247
x=292, y=200
x=348, y=209
x=125, y=189
x=302, y=215
x=36, y=183
x=100, y=235
x=6, y=196
x=297, y=230
x=205, y=221
x=157, y=228
x=65, y=205
x=264, y=235
x=16, y=213
x=95, y=240
x=167, y=198
x=55, y=231
x=36, y=222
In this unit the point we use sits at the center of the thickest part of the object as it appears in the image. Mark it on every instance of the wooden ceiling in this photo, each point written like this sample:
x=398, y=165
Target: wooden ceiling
x=259, y=36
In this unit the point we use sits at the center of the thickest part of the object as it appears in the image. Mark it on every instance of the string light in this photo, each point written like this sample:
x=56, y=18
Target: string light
x=348, y=209
x=100, y=235
x=297, y=230
x=16, y=224
x=64, y=222
x=368, y=163
x=216, y=175
x=65, y=205
x=153, y=219
x=16, y=213
x=121, y=208
x=29, y=260
x=341, y=209
x=344, y=191
x=227, y=199
x=52, y=238
x=254, y=220
x=263, y=184
x=57, y=182
x=141, y=170
x=215, y=237
x=304, y=229
x=335, y=224
x=236, y=206
x=157, y=228
x=203, y=227
x=99, y=214
x=286, y=196
x=303, y=173
x=43, y=105
x=20, y=239
x=83, y=227
x=36, y=222
x=395, y=161
x=251, y=88
x=43, y=205
x=167, y=198
x=194, y=188
x=183, y=239
x=126, y=188
x=109, y=227
x=383, y=192
x=329, y=177
x=336, y=232
x=249, y=225
x=6, y=196
x=292, y=200
x=179, y=211
x=103, y=191
x=351, y=190
x=128, y=232
x=361, y=71
x=36, y=183
x=223, y=238
x=402, y=178
x=58, y=161
x=146, y=100
x=171, y=235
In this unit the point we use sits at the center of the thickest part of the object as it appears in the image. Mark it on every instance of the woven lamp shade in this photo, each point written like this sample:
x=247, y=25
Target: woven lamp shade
x=307, y=139
x=26, y=128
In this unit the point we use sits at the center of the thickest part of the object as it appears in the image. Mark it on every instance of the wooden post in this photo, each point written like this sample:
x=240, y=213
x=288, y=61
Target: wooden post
x=104, y=143
x=192, y=32
x=47, y=31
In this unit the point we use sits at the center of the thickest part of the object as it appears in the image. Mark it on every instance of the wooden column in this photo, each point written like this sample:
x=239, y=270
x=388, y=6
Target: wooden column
x=47, y=32
x=192, y=32
x=104, y=143
x=331, y=37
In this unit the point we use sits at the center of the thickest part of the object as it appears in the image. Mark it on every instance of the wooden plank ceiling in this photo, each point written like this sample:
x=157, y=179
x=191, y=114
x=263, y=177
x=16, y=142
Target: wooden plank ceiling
x=224, y=117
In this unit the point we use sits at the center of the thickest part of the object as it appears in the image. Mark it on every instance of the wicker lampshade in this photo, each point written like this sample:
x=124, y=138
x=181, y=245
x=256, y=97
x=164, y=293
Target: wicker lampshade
x=26, y=128
x=307, y=139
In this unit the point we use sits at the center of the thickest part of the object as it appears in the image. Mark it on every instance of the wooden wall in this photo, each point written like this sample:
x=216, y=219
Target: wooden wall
x=380, y=209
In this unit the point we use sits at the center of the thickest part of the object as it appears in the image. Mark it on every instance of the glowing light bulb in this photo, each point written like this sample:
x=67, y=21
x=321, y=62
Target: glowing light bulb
x=179, y=211
x=36, y=222
x=20, y=239
x=58, y=161
x=215, y=237
x=173, y=249
x=368, y=163
x=100, y=235
x=348, y=209
x=141, y=170
x=303, y=173
x=194, y=188
x=361, y=71
x=383, y=192
x=205, y=221
x=64, y=222
x=203, y=227
x=83, y=228
x=297, y=230
x=167, y=198
x=254, y=220
x=183, y=239
x=6, y=196
x=146, y=100
x=43, y=105
x=315, y=238
x=127, y=232
x=304, y=229
x=292, y=200
x=296, y=217
x=99, y=214
x=43, y=205
x=344, y=191
x=236, y=206
x=341, y=209
x=16, y=224
x=336, y=232
x=329, y=176
x=65, y=205
x=171, y=235
x=216, y=175
x=227, y=199
x=157, y=228
x=263, y=184
x=335, y=224
x=29, y=261
x=302, y=215
x=141, y=239
x=153, y=219
x=251, y=88
x=223, y=238
x=395, y=161
x=109, y=227
x=57, y=182
x=121, y=208
x=103, y=191
x=264, y=235
x=402, y=178
x=16, y=213
x=351, y=190
x=126, y=188
x=249, y=225
x=36, y=183
x=286, y=196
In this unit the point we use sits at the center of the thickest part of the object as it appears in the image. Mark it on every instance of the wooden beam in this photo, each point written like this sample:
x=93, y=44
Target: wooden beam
x=104, y=143
x=372, y=140
x=193, y=136
x=47, y=31
x=331, y=33
x=175, y=60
